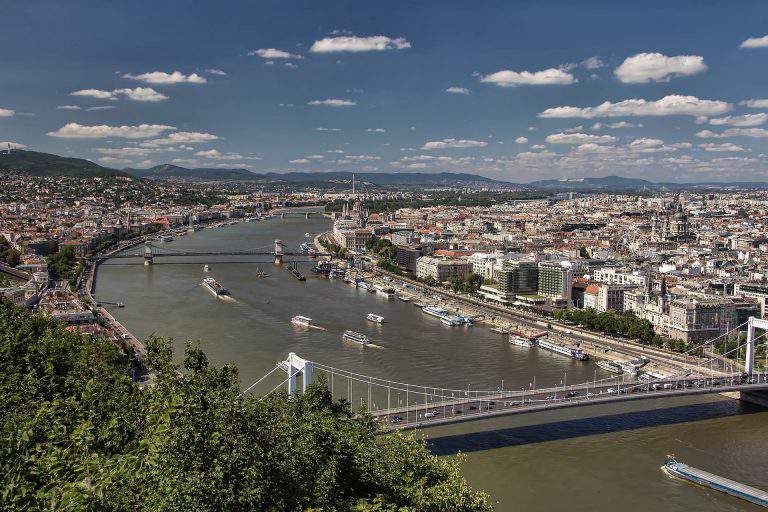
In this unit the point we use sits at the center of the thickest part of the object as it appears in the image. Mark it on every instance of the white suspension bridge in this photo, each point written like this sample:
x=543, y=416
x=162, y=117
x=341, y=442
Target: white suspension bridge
x=401, y=406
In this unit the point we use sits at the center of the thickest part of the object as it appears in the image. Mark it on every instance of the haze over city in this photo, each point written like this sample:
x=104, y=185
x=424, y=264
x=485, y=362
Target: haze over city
x=515, y=91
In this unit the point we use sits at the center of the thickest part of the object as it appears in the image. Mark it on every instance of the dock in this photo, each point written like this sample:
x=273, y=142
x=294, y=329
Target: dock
x=295, y=271
x=716, y=482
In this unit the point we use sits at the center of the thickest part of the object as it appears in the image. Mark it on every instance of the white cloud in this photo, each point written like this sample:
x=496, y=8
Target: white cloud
x=358, y=44
x=457, y=90
x=645, y=143
x=14, y=145
x=184, y=138
x=101, y=107
x=362, y=158
x=132, y=152
x=137, y=94
x=273, y=53
x=337, y=151
x=613, y=126
x=593, y=63
x=6, y=112
x=376, y=130
x=215, y=154
x=655, y=67
x=538, y=146
x=578, y=138
x=508, y=78
x=672, y=105
x=454, y=143
x=725, y=147
x=755, y=133
x=325, y=129
x=745, y=120
x=79, y=131
x=291, y=65
x=754, y=103
x=521, y=140
x=332, y=102
x=299, y=161
x=163, y=78
x=142, y=94
x=68, y=107
x=217, y=72
x=109, y=160
x=591, y=147
x=755, y=42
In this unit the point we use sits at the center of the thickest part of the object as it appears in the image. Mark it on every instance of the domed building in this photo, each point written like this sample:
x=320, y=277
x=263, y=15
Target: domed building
x=673, y=226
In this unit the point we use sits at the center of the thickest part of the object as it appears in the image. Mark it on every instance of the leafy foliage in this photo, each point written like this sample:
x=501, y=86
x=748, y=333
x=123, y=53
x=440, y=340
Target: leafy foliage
x=78, y=434
x=8, y=254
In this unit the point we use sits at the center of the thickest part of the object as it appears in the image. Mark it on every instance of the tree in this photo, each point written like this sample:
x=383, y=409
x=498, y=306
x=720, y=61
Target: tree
x=78, y=434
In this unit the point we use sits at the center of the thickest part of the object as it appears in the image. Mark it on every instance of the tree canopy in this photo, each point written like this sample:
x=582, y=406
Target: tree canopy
x=78, y=434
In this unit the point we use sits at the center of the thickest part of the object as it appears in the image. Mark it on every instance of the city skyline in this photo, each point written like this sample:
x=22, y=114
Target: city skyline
x=666, y=93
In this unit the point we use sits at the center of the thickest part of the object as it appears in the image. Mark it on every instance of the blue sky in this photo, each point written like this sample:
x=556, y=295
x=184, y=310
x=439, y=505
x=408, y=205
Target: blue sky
x=657, y=90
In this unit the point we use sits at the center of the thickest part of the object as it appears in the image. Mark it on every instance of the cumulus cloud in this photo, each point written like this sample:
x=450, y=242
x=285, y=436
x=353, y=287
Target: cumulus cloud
x=755, y=42
x=754, y=103
x=362, y=158
x=128, y=152
x=672, y=105
x=755, y=133
x=215, y=154
x=101, y=107
x=655, y=67
x=725, y=147
x=375, y=130
x=509, y=78
x=593, y=63
x=217, y=72
x=745, y=120
x=358, y=44
x=184, y=138
x=273, y=53
x=645, y=143
x=521, y=140
x=137, y=94
x=326, y=129
x=457, y=90
x=79, y=131
x=613, y=126
x=110, y=160
x=299, y=161
x=332, y=102
x=163, y=78
x=13, y=145
x=68, y=107
x=578, y=138
x=454, y=143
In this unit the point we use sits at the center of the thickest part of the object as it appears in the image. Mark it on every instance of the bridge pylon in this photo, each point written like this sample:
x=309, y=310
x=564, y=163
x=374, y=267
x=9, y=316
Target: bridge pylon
x=278, y=252
x=149, y=257
x=749, y=359
x=293, y=366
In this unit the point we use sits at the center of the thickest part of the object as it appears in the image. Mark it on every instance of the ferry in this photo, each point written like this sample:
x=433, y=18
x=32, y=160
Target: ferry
x=404, y=298
x=214, y=287
x=522, y=342
x=573, y=352
x=443, y=314
x=718, y=483
x=302, y=321
x=206, y=268
x=356, y=337
x=449, y=321
x=610, y=366
x=375, y=318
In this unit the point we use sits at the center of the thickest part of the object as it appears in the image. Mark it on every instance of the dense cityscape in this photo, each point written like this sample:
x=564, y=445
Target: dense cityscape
x=429, y=256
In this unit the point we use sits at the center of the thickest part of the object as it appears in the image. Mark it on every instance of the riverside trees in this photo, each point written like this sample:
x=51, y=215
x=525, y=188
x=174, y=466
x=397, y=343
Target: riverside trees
x=77, y=434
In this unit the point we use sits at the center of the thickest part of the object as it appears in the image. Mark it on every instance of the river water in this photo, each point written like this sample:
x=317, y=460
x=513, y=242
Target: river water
x=590, y=458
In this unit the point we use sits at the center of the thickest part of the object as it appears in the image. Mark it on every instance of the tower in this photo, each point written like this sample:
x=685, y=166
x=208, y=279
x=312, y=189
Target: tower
x=278, y=252
x=149, y=258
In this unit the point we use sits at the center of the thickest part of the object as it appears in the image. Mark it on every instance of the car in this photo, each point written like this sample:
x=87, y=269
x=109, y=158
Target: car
x=655, y=386
x=457, y=411
x=571, y=394
x=669, y=385
x=430, y=414
x=611, y=390
x=397, y=419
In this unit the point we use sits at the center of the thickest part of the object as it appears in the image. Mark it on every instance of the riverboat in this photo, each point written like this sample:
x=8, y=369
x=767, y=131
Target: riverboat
x=573, y=352
x=356, y=337
x=214, y=287
x=375, y=318
x=302, y=321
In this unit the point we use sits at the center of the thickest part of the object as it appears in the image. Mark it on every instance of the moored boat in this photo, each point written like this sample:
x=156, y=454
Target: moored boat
x=520, y=341
x=573, y=352
x=610, y=366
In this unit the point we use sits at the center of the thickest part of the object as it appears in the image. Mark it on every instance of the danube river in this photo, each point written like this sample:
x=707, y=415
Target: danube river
x=590, y=458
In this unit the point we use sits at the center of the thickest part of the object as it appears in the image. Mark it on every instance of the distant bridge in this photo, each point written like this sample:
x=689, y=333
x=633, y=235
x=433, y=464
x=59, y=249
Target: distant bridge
x=152, y=251
x=297, y=212
x=402, y=406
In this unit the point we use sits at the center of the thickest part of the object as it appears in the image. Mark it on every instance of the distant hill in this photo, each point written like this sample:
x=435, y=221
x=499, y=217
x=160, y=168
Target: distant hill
x=204, y=174
x=46, y=164
x=621, y=183
x=210, y=174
